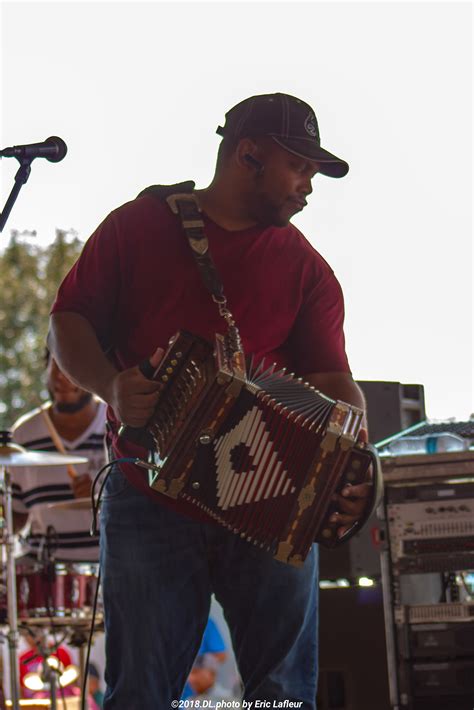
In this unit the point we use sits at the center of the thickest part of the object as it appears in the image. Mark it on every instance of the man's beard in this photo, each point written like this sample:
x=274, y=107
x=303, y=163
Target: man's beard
x=266, y=212
x=73, y=407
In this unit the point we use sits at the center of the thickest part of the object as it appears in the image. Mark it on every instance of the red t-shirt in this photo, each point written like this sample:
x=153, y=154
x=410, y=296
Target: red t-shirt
x=137, y=283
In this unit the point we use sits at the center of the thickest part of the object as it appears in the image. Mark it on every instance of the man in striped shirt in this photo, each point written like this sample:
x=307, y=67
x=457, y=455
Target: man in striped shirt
x=79, y=419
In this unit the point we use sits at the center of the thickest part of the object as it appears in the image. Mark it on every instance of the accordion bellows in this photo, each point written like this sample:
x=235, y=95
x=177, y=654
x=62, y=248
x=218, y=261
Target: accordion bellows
x=263, y=453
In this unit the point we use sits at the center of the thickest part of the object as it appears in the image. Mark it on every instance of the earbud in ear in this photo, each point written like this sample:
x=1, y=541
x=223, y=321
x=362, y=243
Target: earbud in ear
x=253, y=161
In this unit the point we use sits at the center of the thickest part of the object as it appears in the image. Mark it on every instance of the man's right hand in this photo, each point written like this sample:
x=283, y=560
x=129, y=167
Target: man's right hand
x=132, y=396
x=201, y=679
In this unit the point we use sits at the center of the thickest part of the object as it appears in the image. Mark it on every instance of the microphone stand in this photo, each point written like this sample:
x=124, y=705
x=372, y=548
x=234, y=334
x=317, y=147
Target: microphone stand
x=7, y=538
x=20, y=179
x=49, y=675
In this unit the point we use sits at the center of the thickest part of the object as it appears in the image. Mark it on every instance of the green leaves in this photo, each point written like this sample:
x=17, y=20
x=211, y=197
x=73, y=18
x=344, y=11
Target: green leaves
x=29, y=278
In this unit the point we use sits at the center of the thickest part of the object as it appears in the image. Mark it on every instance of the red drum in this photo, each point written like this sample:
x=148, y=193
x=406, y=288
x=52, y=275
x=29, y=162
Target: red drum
x=63, y=590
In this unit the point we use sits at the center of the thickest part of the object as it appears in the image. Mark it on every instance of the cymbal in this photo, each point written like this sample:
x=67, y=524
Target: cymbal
x=32, y=704
x=73, y=504
x=14, y=455
x=70, y=703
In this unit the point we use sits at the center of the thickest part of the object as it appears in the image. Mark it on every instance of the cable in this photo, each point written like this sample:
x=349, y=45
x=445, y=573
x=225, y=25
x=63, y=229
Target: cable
x=95, y=511
x=89, y=645
x=94, y=504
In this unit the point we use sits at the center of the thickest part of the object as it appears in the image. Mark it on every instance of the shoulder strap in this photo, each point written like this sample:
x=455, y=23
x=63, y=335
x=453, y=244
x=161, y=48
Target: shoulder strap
x=161, y=192
x=183, y=202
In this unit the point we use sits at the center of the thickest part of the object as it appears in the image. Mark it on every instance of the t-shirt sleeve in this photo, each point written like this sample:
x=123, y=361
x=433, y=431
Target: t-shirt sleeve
x=92, y=286
x=317, y=339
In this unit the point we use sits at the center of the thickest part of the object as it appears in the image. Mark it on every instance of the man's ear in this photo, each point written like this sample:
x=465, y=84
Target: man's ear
x=248, y=155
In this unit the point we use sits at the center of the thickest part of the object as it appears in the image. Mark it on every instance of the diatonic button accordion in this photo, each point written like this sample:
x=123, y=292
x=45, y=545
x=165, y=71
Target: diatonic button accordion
x=260, y=451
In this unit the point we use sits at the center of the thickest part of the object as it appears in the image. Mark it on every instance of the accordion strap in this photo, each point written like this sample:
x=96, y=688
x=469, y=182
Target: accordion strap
x=183, y=202
x=375, y=498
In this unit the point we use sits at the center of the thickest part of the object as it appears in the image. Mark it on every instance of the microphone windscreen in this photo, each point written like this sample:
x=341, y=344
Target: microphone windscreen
x=61, y=149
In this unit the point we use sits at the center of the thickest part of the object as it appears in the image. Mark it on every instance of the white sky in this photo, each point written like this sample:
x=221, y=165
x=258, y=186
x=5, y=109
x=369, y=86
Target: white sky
x=137, y=89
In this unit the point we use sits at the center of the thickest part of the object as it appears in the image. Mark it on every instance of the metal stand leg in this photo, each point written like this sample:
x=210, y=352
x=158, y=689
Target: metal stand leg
x=12, y=635
x=389, y=632
x=79, y=640
x=82, y=664
x=53, y=689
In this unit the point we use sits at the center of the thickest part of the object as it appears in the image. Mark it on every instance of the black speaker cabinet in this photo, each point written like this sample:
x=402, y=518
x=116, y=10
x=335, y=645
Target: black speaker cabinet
x=353, y=666
x=359, y=557
x=392, y=407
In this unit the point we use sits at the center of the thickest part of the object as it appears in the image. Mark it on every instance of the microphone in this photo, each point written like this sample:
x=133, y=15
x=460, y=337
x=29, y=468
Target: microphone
x=53, y=149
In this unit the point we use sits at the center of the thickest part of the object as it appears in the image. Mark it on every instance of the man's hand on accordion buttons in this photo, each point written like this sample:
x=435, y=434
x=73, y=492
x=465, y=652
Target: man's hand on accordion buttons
x=132, y=396
x=353, y=500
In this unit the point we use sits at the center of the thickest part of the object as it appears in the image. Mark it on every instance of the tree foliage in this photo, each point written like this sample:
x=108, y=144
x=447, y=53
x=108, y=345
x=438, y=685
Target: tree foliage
x=29, y=278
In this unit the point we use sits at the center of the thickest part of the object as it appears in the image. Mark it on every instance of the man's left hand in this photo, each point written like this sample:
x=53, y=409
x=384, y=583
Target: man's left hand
x=81, y=486
x=353, y=501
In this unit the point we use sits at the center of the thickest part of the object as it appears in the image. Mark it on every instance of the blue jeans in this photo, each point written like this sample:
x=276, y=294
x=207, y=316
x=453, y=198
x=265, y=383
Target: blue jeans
x=159, y=571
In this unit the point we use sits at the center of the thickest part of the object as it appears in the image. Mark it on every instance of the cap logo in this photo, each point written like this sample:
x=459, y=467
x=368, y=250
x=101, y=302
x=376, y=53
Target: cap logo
x=310, y=125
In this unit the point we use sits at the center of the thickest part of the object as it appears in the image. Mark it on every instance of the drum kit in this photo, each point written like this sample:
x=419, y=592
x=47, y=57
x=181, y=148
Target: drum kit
x=42, y=597
x=46, y=596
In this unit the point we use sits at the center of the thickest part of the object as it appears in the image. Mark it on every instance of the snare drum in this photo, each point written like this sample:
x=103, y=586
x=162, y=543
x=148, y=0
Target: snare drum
x=60, y=590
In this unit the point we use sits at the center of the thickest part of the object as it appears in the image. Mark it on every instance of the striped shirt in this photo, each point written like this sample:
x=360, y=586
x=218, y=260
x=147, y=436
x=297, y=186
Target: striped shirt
x=34, y=489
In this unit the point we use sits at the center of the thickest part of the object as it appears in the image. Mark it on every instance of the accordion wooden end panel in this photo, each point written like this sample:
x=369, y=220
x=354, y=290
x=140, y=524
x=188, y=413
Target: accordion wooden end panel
x=261, y=453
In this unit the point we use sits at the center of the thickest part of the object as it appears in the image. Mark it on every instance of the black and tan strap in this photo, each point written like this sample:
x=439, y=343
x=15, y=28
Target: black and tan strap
x=183, y=202
x=187, y=207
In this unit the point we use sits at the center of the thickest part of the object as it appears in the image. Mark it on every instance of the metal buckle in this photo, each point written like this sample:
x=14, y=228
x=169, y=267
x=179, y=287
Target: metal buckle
x=173, y=199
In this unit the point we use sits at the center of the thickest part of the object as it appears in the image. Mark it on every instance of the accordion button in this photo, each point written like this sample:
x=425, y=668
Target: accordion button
x=196, y=485
x=327, y=532
x=174, y=362
x=169, y=370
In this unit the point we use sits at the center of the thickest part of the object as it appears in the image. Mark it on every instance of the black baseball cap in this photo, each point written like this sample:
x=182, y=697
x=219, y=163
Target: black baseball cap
x=289, y=121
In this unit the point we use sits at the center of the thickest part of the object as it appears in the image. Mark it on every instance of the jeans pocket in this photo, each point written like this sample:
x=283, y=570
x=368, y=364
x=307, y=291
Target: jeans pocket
x=116, y=484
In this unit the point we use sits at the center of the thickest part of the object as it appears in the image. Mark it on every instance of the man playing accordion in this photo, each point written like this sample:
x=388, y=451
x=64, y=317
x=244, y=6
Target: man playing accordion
x=134, y=286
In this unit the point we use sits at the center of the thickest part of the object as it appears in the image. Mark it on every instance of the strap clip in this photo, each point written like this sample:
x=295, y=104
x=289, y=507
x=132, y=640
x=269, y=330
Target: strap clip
x=173, y=200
